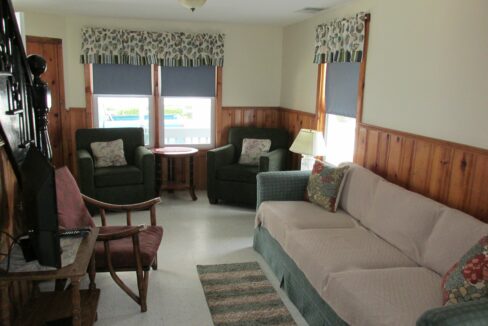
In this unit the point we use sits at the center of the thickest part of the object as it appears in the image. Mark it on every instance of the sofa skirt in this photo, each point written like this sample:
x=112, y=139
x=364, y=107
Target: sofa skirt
x=312, y=307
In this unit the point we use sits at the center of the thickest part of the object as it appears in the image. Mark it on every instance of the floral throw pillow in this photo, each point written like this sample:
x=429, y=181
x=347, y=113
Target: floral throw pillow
x=110, y=153
x=467, y=280
x=252, y=149
x=324, y=185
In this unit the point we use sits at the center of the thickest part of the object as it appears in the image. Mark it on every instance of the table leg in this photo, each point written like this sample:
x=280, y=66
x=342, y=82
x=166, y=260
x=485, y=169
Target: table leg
x=76, y=301
x=4, y=304
x=192, y=186
x=171, y=173
x=92, y=272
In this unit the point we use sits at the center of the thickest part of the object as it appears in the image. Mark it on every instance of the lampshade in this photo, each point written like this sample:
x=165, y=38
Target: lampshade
x=192, y=4
x=309, y=142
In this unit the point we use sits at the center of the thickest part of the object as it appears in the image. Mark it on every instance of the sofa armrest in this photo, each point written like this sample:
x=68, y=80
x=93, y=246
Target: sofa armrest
x=280, y=186
x=273, y=161
x=470, y=313
x=86, y=169
x=144, y=160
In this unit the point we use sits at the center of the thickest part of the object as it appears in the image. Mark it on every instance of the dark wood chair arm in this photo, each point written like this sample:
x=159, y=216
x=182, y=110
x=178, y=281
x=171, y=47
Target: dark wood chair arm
x=127, y=207
x=115, y=235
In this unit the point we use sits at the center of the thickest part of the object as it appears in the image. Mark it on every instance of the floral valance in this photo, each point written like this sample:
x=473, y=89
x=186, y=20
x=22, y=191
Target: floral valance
x=174, y=49
x=341, y=40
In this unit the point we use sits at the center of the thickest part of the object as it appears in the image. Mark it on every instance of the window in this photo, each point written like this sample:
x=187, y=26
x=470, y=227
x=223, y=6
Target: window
x=187, y=106
x=122, y=98
x=341, y=90
x=124, y=111
x=188, y=120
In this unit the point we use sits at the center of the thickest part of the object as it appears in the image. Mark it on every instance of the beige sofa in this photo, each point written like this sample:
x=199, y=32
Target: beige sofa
x=379, y=260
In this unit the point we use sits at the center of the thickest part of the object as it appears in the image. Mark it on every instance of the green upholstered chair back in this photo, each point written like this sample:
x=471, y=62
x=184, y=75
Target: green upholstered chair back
x=132, y=138
x=279, y=137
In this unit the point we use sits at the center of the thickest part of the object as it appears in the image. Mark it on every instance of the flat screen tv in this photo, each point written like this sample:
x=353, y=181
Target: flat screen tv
x=39, y=208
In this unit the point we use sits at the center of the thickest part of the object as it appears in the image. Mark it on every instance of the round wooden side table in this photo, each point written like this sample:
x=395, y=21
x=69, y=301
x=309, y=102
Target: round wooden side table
x=172, y=154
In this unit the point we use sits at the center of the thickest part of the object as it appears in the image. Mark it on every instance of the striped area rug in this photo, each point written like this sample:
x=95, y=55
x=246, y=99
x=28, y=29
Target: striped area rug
x=241, y=295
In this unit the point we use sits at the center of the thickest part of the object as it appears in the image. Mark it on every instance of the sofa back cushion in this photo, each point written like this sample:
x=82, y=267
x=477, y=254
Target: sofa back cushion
x=403, y=218
x=453, y=235
x=358, y=191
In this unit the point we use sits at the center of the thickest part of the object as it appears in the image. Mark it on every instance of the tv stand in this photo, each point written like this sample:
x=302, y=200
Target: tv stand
x=77, y=307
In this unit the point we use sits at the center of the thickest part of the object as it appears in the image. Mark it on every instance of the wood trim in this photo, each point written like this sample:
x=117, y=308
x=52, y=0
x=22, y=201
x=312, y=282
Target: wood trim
x=250, y=107
x=362, y=72
x=321, y=106
x=41, y=39
x=218, y=106
x=156, y=101
x=296, y=111
x=436, y=141
x=453, y=174
x=89, y=95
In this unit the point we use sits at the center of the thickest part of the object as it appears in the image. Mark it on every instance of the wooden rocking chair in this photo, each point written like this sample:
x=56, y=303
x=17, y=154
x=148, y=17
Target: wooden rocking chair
x=118, y=248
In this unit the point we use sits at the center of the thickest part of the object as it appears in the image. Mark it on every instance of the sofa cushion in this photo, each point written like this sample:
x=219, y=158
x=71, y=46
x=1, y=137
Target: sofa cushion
x=454, y=233
x=358, y=191
x=319, y=252
x=393, y=296
x=324, y=185
x=238, y=172
x=281, y=217
x=117, y=176
x=403, y=218
x=468, y=279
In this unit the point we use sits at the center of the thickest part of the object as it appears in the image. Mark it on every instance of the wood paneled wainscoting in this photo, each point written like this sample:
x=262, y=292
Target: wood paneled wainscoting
x=453, y=174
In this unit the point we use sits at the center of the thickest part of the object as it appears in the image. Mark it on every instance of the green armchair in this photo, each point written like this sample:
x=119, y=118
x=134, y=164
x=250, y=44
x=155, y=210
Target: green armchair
x=232, y=182
x=129, y=184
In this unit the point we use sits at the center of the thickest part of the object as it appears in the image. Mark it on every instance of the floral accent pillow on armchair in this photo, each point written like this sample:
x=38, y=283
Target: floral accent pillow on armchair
x=252, y=149
x=110, y=153
x=324, y=185
x=467, y=280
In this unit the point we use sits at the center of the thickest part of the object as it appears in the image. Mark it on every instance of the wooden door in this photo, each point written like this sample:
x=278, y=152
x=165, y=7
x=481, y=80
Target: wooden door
x=51, y=49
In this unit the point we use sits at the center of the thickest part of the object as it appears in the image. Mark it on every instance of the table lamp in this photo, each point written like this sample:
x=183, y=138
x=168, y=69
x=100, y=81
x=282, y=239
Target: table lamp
x=309, y=143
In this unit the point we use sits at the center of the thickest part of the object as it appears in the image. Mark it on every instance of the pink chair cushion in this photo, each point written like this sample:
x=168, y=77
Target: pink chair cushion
x=122, y=250
x=72, y=212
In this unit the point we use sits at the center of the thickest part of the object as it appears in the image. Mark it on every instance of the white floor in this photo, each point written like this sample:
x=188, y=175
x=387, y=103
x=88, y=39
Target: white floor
x=194, y=233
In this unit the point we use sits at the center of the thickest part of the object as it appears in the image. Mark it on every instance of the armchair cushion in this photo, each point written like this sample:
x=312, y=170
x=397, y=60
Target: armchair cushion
x=117, y=176
x=122, y=250
x=238, y=172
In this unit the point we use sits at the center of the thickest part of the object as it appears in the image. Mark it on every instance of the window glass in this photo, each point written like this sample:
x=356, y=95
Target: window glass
x=124, y=111
x=188, y=121
x=340, y=135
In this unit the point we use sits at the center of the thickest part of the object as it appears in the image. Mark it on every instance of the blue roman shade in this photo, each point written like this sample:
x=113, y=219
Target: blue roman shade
x=188, y=81
x=341, y=88
x=125, y=79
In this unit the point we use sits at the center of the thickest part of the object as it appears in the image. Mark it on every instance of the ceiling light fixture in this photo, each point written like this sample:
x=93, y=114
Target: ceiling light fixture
x=192, y=4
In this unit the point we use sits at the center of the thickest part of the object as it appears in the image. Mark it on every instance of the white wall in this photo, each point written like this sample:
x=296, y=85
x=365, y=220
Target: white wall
x=427, y=69
x=252, y=68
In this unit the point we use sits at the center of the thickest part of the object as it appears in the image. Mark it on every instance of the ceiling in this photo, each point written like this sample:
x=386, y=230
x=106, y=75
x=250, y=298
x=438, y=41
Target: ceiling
x=272, y=12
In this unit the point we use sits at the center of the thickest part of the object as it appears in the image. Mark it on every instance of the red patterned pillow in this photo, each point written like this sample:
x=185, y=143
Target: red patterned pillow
x=468, y=279
x=324, y=185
